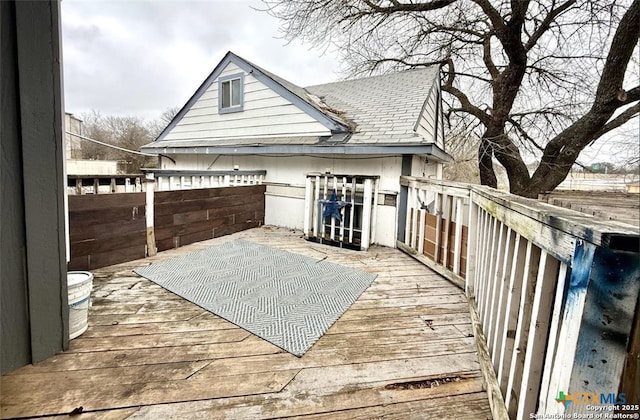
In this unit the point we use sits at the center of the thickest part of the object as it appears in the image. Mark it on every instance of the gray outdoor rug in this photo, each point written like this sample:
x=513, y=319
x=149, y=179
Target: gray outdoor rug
x=287, y=299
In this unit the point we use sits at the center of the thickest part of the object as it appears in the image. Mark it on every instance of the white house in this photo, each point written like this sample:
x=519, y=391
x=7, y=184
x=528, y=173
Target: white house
x=355, y=137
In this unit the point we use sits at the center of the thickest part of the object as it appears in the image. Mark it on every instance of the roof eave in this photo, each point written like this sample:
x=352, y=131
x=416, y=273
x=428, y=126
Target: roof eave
x=431, y=150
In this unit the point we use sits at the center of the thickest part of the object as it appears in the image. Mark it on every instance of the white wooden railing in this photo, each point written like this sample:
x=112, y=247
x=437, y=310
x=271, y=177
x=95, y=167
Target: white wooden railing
x=356, y=198
x=553, y=292
x=172, y=179
x=166, y=180
x=104, y=184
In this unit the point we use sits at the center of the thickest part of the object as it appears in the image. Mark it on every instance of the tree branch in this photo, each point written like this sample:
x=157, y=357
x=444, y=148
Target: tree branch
x=626, y=36
x=496, y=20
x=625, y=116
x=632, y=95
x=545, y=25
x=524, y=134
x=465, y=103
x=408, y=7
x=486, y=57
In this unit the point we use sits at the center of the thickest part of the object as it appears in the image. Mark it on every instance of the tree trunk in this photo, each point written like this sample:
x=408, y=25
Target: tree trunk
x=485, y=163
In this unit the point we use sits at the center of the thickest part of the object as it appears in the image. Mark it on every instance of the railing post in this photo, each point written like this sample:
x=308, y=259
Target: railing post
x=532, y=259
x=507, y=267
x=413, y=223
x=472, y=240
x=374, y=210
x=605, y=329
x=79, y=186
x=367, y=202
x=447, y=209
x=352, y=210
x=511, y=311
x=457, y=246
x=308, y=206
x=570, y=326
x=333, y=220
x=343, y=211
x=151, y=238
x=422, y=215
x=402, y=213
x=537, y=335
x=438, y=210
x=553, y=336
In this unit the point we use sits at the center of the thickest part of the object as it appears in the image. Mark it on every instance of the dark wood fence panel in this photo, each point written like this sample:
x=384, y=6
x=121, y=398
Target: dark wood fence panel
x=430, y=242
x=186, y=216
x=431, y=239
x=106, y=229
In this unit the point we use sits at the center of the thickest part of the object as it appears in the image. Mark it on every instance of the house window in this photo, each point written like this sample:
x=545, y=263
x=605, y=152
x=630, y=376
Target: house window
x=231, y=93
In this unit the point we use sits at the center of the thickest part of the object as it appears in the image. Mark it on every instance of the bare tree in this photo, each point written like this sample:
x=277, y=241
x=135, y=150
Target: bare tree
x=165, y=119
x=540, y=78
x=126, y=132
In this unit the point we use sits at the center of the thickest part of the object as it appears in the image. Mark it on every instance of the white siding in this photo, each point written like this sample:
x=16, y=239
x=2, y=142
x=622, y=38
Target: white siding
x=286, y=178
x=265, y=114
x=292, y=170
x=427, y=122
x=422, y=167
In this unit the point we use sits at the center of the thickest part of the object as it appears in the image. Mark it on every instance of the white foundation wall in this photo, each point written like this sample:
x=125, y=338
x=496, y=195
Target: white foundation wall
x=286, y=177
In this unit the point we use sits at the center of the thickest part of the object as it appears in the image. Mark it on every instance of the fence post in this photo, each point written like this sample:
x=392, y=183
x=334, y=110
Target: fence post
x=607, y=329
x=308, y=207
x=472, y=238
x=151, y=237
x=568, y=335
x=366, y=214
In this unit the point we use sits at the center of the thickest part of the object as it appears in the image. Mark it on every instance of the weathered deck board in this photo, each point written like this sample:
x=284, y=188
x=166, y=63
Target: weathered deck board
x=404, y=350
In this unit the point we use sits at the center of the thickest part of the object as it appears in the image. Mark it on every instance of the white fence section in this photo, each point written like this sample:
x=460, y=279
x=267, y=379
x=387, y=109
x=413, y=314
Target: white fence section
x=165, y=180
x=341, y=209
x=169, y=180
x=104, y=184
x=544, y=284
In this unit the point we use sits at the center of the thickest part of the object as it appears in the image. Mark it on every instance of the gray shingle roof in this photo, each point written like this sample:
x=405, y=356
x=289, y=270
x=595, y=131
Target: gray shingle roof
x=383, y=109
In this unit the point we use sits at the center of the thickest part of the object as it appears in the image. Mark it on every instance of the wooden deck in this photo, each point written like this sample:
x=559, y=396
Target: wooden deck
x=405, y=349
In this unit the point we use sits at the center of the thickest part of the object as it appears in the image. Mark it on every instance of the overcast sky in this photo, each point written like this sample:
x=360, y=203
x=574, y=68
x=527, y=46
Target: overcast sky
x=138, y=58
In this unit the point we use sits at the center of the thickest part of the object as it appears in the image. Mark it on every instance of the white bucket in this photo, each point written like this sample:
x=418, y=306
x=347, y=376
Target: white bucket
x=79, y=284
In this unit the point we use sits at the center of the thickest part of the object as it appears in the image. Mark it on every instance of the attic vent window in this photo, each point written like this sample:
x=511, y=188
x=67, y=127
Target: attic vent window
x=231, y=93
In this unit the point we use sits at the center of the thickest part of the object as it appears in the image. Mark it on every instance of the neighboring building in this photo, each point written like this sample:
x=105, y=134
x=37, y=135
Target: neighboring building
x=75, y=165
x=73, y=145
x=356, y=137
x=91, y=167
x=585, y=181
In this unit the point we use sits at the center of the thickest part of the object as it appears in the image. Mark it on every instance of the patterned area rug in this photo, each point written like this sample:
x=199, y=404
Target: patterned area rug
x=287, y=299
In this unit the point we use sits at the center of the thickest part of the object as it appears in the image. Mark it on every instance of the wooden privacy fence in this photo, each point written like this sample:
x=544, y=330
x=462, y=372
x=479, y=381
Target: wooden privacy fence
x=107, y=229
x=187, y=216
x=553, y=292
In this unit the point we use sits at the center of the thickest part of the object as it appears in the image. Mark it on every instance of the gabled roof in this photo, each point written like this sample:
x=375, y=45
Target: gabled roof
x=385, y=108
x=381, y=111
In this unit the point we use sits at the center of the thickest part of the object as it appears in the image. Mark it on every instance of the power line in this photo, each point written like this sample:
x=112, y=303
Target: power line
x=110, y=145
